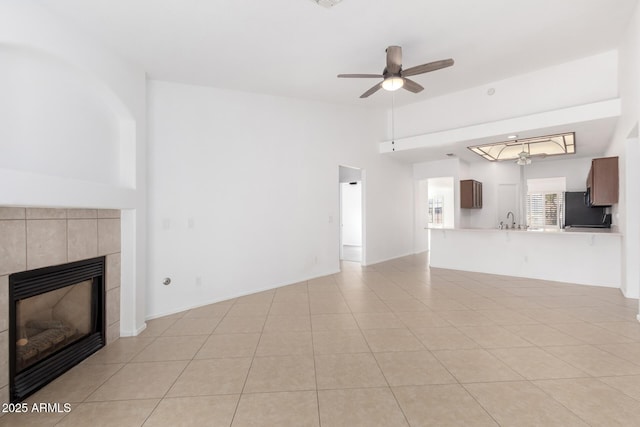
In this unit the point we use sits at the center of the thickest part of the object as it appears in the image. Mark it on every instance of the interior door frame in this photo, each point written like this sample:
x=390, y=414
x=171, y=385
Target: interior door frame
x=362, y=213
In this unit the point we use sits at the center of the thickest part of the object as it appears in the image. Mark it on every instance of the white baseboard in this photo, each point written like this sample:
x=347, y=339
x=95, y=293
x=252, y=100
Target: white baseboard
x=378, y=261
x=238, y=295
x=133, y=333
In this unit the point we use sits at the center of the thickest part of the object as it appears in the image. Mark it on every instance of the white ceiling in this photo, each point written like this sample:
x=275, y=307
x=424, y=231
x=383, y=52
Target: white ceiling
x=296, y=48
x=592, y=138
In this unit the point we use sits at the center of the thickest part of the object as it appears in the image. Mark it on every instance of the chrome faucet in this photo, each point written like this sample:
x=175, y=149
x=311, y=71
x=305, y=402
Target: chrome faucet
x=513, y=221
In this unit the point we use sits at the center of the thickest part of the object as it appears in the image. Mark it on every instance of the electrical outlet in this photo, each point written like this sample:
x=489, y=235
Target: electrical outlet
x=191, y=223
x=198, y=281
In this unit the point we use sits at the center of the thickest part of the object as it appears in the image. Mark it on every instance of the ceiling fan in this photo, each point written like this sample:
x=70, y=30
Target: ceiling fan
x=524, y=158
x=395, y=77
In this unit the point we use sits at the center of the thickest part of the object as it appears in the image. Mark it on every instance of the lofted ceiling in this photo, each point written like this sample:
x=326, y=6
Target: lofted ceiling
x=591, y=136
x=295, y=48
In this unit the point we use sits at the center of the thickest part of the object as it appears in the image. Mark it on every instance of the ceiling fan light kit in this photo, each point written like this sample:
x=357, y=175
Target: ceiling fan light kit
x=394, y=77
x=523, y=159
x=392, y=83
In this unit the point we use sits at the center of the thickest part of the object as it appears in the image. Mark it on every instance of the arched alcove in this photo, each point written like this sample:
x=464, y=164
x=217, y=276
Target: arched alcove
x=59, y=120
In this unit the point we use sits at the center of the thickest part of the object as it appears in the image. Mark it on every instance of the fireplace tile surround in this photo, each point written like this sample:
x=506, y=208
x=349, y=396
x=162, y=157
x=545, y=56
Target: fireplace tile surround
x=40, y=237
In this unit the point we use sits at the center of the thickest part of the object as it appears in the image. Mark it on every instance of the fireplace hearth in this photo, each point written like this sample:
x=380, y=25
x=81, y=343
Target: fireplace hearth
x=56, y=320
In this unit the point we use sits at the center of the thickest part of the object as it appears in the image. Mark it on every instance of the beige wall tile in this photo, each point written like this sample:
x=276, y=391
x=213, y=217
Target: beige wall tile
x=13, y=246
x=82, y=213
x=4, y=303
x=108, y=213
x=12, y=213
x=46, y=213
x=113, y=271
x=82, y=239
x=46, y=243
x=4, y=395
x=108, y=236
x=113, y=332
x=4, y=358
x=113, y=306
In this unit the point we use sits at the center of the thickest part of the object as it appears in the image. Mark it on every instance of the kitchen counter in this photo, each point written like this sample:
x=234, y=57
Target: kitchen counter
x=580, y=255
x=568, y=230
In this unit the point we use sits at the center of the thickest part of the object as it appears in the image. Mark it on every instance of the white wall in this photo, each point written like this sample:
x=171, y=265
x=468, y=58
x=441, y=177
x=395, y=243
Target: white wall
x=53, y=115
x=421, y=213
x=565, y=85
x=492, y=175
x=439, y=169
x=256, y=176
x=73, y=125
x=347, y=174
x=351, y=215
x=625, y=145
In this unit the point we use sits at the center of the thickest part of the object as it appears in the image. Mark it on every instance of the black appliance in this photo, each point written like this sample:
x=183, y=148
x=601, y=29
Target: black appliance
x=578, y=213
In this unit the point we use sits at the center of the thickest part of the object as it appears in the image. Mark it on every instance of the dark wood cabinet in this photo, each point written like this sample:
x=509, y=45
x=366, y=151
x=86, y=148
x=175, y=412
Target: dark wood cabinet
x=602, y=181
x=470, y=194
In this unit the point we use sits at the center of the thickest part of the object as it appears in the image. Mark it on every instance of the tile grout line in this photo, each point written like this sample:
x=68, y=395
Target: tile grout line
x=313, y=357
x=454, y=297
x=385, y=377
x=177, y=377
x=255, y=351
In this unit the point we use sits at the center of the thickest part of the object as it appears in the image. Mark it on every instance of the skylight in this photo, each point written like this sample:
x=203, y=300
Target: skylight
x=540, y=146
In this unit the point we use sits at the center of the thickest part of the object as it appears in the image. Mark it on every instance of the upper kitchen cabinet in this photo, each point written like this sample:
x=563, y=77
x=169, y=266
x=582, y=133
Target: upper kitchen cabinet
x=470, y=194
x=602, y=182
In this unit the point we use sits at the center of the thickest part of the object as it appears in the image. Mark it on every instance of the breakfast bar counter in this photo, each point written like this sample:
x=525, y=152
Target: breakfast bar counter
x=582, y=256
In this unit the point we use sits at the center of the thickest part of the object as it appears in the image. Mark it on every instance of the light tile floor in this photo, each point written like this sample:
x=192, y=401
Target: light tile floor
x=393, y=344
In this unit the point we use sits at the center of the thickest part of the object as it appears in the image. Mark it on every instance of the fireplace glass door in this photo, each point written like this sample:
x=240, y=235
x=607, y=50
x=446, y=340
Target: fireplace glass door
x=48, y=322
x=56, y=320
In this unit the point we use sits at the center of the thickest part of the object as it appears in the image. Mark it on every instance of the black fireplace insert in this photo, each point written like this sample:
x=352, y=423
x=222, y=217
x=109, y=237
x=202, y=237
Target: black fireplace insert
x=56, y=320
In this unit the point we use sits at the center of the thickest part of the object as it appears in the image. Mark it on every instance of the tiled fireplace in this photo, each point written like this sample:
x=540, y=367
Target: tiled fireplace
x=33, y=238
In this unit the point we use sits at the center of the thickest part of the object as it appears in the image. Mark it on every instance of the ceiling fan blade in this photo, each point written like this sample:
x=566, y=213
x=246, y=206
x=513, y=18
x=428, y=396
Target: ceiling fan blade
x=412, y=86
x=360, y=76
x=394, y=59
x=425, y=68
x=372, y=90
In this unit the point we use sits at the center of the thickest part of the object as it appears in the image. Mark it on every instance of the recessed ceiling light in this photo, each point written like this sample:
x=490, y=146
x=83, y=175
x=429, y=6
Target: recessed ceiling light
x=512, y=136
x=327, y=3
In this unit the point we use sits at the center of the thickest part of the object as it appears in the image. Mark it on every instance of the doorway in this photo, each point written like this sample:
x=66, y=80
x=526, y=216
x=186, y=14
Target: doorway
x=435, y=208
x=351, y=214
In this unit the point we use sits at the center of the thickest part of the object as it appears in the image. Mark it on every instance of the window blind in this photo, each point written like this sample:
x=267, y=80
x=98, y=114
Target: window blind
x=545, y=209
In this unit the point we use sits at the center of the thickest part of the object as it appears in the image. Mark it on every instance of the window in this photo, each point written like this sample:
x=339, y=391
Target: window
x=435, y=211
x=545, y=203
x=545, y=210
